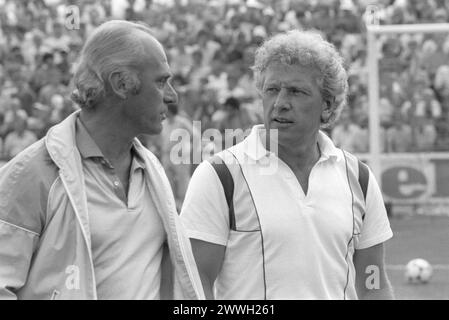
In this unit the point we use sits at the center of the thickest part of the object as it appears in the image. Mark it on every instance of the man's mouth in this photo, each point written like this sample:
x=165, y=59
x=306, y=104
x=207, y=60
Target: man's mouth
x=282, y=120
x=163, y=116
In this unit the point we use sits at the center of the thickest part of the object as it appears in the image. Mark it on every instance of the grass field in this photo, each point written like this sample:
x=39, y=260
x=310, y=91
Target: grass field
x=424, y=237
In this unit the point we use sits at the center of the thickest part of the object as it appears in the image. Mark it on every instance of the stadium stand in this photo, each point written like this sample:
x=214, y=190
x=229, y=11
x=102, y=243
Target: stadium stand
x=211, y=45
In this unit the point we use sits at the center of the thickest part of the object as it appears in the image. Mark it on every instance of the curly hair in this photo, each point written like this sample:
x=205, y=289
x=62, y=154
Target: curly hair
x=115, y=46
x=308, y=49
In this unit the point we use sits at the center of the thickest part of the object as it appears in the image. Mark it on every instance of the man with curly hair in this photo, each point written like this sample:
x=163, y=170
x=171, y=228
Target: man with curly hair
x=285, y=214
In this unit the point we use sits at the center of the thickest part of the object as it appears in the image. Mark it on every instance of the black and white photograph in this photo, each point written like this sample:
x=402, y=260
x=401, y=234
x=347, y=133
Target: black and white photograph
x=243, y=151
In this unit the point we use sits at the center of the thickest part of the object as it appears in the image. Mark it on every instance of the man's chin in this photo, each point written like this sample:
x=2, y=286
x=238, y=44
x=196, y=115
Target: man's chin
x=155, y=131
x=152, y=130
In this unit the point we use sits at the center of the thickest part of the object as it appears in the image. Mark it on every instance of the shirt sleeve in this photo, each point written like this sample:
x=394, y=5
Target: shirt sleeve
x=205, y=212
x=376, y=226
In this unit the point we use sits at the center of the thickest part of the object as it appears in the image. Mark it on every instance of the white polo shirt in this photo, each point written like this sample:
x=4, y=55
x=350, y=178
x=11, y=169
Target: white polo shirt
x=286, y=244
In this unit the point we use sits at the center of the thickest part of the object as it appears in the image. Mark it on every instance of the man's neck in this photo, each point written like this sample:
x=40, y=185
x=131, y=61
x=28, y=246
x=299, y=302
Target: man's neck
x=109, y=136
x=171, y=119
x=300, y=155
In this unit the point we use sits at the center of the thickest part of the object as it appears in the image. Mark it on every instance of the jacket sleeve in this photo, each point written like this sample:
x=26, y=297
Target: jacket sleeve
x=16, y=249
x=23, y=200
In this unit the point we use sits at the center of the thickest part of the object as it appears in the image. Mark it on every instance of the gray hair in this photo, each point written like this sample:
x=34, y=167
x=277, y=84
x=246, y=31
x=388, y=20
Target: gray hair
x=308, y=49
x=113, y=47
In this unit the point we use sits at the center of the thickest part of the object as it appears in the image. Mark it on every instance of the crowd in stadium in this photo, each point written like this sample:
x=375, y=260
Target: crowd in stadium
x=210, y=47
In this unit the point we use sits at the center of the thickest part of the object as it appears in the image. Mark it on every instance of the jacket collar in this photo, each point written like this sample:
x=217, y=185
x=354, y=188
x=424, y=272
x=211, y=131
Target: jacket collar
x=60, y=142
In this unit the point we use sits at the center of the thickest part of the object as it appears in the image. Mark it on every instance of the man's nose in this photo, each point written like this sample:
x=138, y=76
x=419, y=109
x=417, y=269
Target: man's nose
x=282, y=100
x=170, y=95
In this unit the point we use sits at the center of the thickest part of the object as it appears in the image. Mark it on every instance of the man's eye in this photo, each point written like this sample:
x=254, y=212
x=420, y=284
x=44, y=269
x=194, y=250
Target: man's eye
x=297, y=91
x=271, y=90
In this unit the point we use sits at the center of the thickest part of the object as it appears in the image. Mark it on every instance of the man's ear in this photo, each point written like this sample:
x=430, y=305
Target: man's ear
x=328, y=105
x=327, y=112
x=118, y=84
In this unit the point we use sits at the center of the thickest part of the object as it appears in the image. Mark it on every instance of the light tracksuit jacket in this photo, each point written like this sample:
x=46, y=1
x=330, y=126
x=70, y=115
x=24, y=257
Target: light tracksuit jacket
x=45, y=242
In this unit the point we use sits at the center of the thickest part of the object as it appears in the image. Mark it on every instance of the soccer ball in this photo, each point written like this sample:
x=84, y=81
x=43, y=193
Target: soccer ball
x=418, y=271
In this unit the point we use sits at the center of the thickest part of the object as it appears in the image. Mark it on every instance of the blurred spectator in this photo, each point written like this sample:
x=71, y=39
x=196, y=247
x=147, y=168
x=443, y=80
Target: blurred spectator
x=428, y=106
x=232, y=117
x=176, y=154
x=206, y=45
x=362, y=143
x=58, y=40
x=20, y=137
x=433, y=56
x=53, y=87
x=180, y=59
x=206, y=106
x=43, y=73
x=399, y=136
x=386, y=111
x=40, y=121
x=198, y=70
x=24, y=92
x=210, y=46
x=424, y=134
x=218, y=79
x=9, y=106
x=441, y=83
x=346, y=133
x=442, y=132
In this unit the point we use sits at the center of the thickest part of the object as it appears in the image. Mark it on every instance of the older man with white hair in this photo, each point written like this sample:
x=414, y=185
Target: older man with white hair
x=85, y=212
x=285, y=214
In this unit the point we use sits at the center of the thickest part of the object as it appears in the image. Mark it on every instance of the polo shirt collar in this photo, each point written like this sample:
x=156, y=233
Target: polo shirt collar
x=255, y=148
x=327, y=147
x=86, y=145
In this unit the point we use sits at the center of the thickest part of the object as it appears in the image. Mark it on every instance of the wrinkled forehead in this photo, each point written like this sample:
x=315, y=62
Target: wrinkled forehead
x=300, y=56
x=280, y=71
